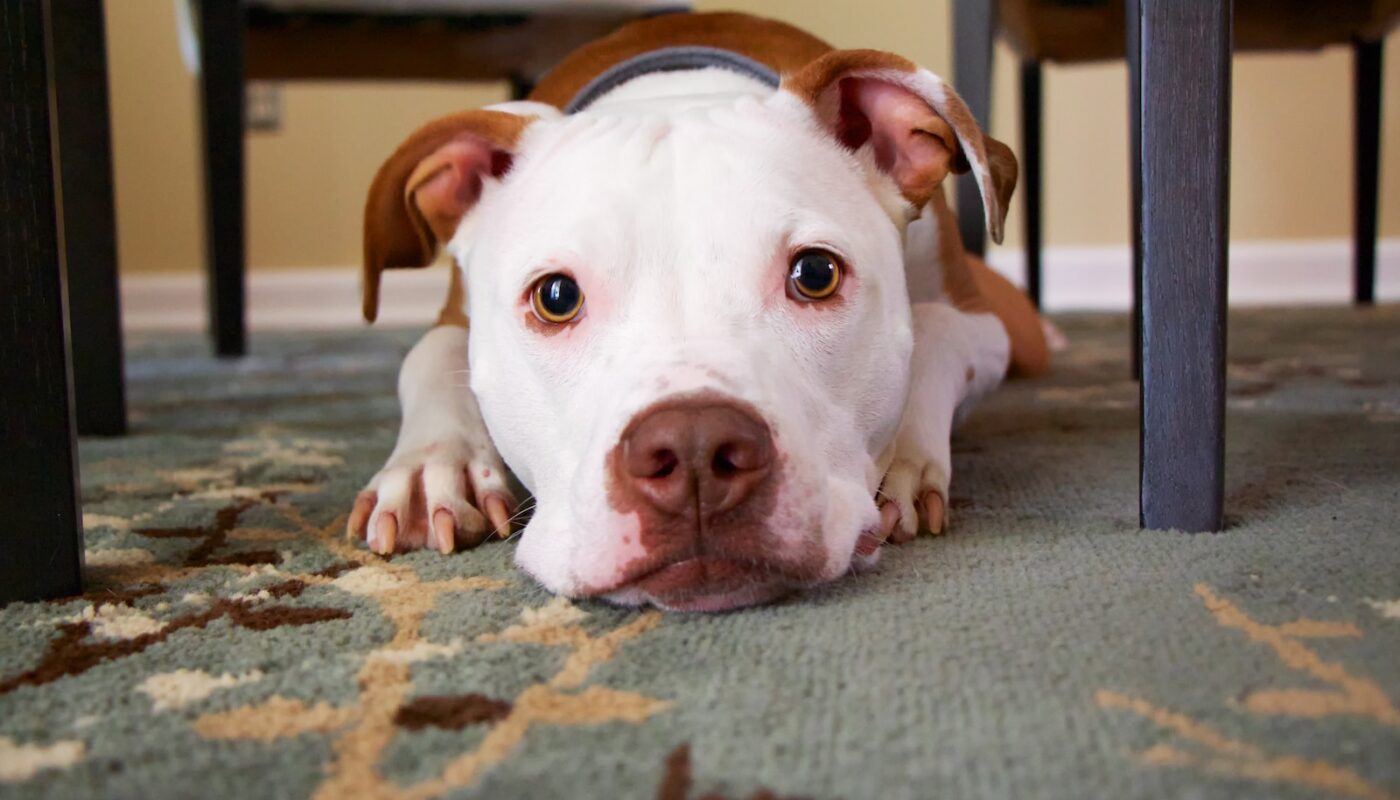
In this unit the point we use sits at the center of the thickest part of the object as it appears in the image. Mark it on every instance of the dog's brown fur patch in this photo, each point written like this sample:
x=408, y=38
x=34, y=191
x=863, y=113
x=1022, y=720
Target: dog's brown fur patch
x=775, y=44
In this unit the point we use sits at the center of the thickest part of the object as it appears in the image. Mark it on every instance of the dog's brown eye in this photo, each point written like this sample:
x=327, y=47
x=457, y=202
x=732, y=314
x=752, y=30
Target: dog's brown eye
x=557, y=298
x=814, y=274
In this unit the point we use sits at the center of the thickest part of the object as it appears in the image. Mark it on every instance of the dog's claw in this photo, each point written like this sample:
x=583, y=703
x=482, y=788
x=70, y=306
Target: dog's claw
x=871, y=540
x=934, y=512
x=385, y=535
x=359, y=516
x=444, y=531
x=901, y=535
x=889, y=519
x=499, y=514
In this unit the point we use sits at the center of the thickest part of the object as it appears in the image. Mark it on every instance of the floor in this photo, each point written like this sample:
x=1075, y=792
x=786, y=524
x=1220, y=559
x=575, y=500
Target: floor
x=234, y=641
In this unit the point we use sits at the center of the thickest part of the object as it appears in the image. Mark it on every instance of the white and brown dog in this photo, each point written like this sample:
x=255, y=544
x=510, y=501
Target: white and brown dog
x=721, y=319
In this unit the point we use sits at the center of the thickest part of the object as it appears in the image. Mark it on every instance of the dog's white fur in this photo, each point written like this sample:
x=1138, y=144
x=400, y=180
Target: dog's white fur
x=674, y=201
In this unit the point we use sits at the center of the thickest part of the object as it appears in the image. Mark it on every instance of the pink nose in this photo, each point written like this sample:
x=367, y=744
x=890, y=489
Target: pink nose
x=696, y=458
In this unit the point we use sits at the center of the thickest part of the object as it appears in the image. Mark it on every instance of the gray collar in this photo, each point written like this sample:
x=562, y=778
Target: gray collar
x=670, y=59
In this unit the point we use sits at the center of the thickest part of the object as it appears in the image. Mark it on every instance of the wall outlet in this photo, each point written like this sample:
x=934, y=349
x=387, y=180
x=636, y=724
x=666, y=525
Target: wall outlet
x=264, y=106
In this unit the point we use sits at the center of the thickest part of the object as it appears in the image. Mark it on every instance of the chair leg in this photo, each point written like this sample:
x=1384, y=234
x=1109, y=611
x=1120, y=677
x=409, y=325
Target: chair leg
x=221, y=85
x=974, y=23
x=1367, y=69
x=90, y=248
x=1134, y=55
x=42, y=535
x=520, y=87
x=1032, y=110
x=1184, y=71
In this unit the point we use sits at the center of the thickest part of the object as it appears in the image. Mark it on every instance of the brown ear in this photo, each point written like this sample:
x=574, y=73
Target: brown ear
x=918, y=127
x=1002, y=165
x=423, y=190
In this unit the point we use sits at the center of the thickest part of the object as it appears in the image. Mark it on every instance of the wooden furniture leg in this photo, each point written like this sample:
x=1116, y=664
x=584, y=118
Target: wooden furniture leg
x=90, y=248
x=1367, y=69
x=1184, y=74
x=221, y=100
x=1032, y=116
x=42, y=537
x=974, y=23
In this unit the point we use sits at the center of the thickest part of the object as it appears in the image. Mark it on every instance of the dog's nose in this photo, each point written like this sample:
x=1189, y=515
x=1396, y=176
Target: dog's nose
x=701, y=457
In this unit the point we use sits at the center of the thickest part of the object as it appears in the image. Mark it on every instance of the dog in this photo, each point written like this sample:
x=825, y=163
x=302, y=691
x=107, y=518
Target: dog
x=709, y=304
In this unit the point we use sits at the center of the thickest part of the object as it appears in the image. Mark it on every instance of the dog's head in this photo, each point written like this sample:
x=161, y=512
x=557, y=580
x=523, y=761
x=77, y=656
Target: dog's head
x=690, y=333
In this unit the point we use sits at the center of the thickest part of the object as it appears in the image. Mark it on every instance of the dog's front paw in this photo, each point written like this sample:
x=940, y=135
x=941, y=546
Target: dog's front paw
x=440, y=496
x=918, y=488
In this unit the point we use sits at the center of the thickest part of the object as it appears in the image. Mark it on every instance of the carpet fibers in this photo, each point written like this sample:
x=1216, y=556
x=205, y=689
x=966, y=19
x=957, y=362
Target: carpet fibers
x=233, y=644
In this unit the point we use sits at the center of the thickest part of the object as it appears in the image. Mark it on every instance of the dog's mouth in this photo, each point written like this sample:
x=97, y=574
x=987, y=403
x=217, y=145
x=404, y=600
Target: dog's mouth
x=704, y=583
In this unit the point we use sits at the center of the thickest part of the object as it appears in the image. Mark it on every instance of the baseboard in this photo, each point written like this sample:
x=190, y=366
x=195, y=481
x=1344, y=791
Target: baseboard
x=1262, y=273
x=1313, y=272
x=301, y=298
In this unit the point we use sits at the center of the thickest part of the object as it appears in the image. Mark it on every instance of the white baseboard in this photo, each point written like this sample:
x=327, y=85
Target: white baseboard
x=1262, y=273
x=1314, y=272
x=301, y=298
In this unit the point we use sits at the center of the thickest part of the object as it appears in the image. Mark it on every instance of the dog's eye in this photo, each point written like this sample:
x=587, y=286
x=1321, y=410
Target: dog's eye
x=557, y=298
x=814, y=275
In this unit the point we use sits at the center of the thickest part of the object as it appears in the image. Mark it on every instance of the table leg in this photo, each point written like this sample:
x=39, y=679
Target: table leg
x=90, y=248
x=974, y=24
x=1032, y=160
x=221, y=101
x=41, y=539
x=1184, y=73
x=1367, y=67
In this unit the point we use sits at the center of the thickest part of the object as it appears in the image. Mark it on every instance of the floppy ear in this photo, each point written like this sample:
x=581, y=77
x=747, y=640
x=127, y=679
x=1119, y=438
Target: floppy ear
x=918, y=127
x=421, y=193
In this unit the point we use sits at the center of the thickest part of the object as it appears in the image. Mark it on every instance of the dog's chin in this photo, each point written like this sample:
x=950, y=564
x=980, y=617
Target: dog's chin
x=703, y=583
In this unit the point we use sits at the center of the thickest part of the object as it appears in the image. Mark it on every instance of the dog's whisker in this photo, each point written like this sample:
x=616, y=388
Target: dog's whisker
x=525, y=509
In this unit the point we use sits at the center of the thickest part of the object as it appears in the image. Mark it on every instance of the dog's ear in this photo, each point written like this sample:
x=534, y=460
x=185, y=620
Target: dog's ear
x=423, y=190
x=918, y=127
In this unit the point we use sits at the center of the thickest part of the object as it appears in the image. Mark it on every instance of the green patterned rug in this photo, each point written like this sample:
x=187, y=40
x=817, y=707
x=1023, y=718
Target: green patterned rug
x=233, y=644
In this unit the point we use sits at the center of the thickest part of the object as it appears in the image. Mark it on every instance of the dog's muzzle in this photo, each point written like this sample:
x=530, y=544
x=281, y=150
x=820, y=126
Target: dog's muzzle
x=702, y=475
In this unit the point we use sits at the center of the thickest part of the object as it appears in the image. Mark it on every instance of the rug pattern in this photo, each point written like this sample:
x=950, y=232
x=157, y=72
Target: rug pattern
x=233, y=643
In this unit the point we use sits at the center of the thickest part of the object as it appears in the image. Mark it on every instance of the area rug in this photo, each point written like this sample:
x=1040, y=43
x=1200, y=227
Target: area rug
x=233, y=644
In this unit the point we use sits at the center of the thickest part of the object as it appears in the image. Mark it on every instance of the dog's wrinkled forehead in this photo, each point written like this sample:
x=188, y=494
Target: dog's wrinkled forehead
x=702, y=195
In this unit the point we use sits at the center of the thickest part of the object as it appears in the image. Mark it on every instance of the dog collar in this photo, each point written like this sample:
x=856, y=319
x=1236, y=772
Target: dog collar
x=670, y=59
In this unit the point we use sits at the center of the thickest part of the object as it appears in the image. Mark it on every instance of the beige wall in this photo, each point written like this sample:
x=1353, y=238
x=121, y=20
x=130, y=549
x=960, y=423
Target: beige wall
x=1291, y=166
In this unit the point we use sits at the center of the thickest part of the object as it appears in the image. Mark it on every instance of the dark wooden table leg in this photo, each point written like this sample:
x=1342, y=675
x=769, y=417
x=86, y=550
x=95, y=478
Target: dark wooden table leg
x=1185, y=77
x=221, y=93
x=1134, y=52
x=90, y=248
x=974, y=24
x=42, y=536
x=521, y=86
x=1367, y=69
x=1032, y=114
